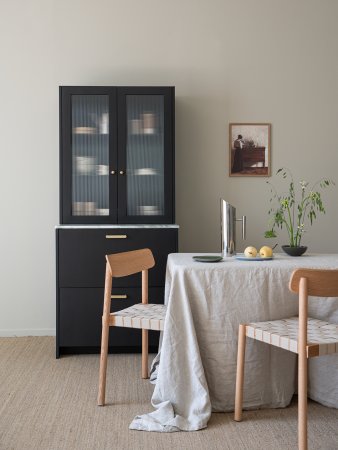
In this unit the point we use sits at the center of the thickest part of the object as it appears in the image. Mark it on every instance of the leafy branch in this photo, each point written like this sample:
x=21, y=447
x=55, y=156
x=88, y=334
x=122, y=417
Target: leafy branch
x=290, y=211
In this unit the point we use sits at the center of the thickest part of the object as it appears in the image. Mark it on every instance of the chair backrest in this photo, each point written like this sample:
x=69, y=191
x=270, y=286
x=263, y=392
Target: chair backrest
x=128, y=263
x=320, y=282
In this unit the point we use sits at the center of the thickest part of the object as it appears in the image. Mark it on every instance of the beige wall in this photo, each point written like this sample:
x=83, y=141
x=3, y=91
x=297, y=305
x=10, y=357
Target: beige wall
x=231, y=61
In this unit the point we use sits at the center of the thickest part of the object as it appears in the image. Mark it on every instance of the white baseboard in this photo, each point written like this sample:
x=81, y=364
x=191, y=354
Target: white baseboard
x=28, y=332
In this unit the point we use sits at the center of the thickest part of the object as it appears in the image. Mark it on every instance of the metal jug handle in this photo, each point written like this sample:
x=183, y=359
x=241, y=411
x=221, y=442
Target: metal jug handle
x=243, y=220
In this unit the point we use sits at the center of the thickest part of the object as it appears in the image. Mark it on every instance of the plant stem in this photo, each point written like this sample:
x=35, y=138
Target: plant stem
x=291, y=227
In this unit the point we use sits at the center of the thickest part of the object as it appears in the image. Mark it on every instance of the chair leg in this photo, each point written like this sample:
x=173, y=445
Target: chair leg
x=302, y=402
x=302, y=364
x=103, y=363
x=145, y=373
x=240, y=373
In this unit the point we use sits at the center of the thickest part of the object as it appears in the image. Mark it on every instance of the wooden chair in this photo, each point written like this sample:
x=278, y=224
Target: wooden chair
x=302, y=335
x=142, y=315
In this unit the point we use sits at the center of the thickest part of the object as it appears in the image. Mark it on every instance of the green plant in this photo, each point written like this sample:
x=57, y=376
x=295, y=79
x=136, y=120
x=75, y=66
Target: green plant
x=292, y=209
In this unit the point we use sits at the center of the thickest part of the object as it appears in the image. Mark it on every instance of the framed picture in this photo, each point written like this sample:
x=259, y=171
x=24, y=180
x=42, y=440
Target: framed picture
x=249, y=149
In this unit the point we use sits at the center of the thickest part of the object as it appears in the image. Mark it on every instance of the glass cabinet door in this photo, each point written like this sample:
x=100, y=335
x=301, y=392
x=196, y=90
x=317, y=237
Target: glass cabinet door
x=90, y=155
x=147, y=153
x=89, y=133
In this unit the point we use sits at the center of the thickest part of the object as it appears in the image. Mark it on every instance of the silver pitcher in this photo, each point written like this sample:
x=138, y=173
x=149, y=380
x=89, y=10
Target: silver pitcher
x=228, y=220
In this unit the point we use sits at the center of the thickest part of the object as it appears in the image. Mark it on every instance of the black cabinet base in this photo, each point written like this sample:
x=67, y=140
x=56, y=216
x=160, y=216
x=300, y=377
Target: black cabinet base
x=80, y=291
x=95, y=350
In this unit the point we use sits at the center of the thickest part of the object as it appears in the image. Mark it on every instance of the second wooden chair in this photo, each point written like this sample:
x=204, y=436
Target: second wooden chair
x=303, y=335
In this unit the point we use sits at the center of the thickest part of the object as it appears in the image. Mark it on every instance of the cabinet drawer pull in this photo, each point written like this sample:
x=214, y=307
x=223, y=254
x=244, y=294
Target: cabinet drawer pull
x=116, y=236
x=119, y=296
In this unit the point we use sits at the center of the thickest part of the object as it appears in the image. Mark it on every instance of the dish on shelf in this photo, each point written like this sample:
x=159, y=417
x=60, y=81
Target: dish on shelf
x=242, y=257
x=102, y=169
x=145, y=124
x=207, y=258
x=85, y=164
x=84, y=130
x=145, y=171
x=102, y=211
x=149, y=210
x=84, y=209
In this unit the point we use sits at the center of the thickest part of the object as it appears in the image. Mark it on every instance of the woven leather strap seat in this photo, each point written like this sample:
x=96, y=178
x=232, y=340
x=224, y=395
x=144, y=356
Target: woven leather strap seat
x=145, y=316
x=322, y=337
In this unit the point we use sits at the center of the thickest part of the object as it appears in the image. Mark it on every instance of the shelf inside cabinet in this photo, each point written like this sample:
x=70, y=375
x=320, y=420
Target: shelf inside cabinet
x=146, y=171
x=88, y=175
x=90, y=135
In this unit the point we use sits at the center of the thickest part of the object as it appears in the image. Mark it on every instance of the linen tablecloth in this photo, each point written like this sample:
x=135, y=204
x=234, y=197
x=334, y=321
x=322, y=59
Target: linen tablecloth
x=196, y=367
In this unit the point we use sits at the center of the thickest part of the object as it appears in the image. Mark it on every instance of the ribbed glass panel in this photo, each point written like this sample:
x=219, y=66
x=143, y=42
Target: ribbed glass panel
x=90, y=155
x=145, y=155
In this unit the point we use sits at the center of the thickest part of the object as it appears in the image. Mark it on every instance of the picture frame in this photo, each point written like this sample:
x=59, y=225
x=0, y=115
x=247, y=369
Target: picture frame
x=249, y=149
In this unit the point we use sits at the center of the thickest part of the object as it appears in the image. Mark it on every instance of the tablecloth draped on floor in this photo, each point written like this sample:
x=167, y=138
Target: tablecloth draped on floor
x=195, y=370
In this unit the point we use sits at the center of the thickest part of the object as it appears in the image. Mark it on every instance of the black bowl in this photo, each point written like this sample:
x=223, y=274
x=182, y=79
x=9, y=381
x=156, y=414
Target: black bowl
x=294, y=251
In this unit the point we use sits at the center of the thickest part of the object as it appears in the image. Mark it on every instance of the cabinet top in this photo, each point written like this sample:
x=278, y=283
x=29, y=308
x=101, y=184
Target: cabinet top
x=115, y=226
x=116, y=86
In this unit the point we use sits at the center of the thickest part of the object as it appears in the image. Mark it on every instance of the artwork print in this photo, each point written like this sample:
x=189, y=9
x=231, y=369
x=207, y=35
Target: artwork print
x=249, y=149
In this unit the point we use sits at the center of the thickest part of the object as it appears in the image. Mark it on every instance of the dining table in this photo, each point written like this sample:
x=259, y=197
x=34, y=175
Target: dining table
x=195, y=370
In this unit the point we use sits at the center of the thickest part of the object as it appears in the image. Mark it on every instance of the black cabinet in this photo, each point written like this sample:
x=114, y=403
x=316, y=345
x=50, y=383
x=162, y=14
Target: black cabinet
x=117, y=155
x=80, y=266
x=116, y=194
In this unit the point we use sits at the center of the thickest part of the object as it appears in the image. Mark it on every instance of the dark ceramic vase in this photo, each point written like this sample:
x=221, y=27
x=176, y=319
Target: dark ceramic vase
x=294, y=251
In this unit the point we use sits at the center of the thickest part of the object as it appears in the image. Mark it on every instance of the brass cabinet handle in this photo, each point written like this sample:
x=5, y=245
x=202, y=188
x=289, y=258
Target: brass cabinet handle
x=116, y=236
x=122, y=172
x=119, y=296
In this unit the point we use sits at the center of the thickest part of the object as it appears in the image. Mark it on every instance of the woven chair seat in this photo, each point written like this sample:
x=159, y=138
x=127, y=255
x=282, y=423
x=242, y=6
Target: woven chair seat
x=146, y=316
x=322, y=336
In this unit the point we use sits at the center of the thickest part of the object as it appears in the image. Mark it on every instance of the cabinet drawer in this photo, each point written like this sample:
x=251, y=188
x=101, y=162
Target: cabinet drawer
x=81, y=254
x=80, y=317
